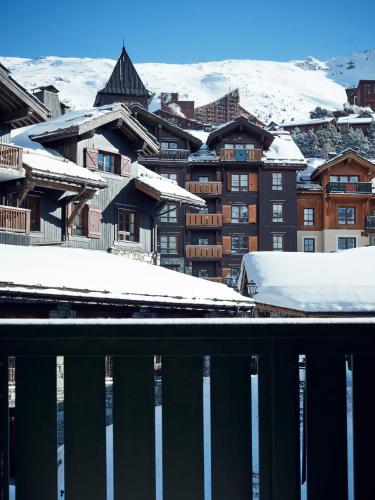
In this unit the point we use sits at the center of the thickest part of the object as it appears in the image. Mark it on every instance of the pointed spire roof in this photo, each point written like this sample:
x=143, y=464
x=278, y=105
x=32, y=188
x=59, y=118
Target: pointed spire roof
x=124, y=83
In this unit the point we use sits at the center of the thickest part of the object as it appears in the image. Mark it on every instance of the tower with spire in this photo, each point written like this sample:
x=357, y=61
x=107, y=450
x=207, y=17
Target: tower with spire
x=124, y=85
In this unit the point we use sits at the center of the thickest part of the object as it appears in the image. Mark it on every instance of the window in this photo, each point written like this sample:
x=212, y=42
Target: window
x=202, y=241
x=169, y=214
x=344, y=178
x=171, y=176
x=308, y=216
x=80, y=223
x=239, y=244
x=229, y=146
x=203, y=178
x=277, y=181
x=203, y=273
x=277, y=242
x=240, y=182
x=309, y=244
x=168, y=145
x=346, y=215
x=128, y=225
x=33, y=204
x=345, y=243
x=168, y=244
x=106, y=161
x=203, y=210
x=239, y=214
x=277, y=212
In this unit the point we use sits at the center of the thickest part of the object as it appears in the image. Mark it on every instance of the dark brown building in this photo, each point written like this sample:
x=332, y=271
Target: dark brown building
x=363, y=94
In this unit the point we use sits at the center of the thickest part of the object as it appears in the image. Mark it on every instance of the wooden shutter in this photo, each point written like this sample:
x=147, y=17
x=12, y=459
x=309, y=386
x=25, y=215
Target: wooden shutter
x=94, y=222
x=227, y=213
x=253, y=182
x=229, y=181
x=126, y=168
x=91, y=159
x=225, y=272
x=253, y=243
x=218, y=176
x=252, y=214
x=227, y=244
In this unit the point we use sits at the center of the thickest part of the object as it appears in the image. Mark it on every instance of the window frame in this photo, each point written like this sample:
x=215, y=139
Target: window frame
x=346, y=239
x=309, y=239
x=239, y=219
x=281, y=238
x=130, y=236
x=168, y=217
x=168, y=249
x=102, y=167
x=346, y=220
x=308, y=220
x=242, y=185
x=277, y=181
x=277, y=216
x=241, y=239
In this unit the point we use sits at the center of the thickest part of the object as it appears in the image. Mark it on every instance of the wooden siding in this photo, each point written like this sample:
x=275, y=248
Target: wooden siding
x=204, y=251
x=214, y=220
x=310, y=200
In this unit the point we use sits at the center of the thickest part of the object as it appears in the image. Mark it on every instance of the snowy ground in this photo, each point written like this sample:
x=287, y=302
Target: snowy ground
x=270, y=90
x=207, y=446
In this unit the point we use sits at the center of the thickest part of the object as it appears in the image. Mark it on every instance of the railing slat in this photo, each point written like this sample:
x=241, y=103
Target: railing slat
x=36, y=428
x=363, y=426
x=231, y=458
x=183, y=462
x=134, y=428
x=279, y=454
x=84, y=428
x=4, y=430
x=326, y=428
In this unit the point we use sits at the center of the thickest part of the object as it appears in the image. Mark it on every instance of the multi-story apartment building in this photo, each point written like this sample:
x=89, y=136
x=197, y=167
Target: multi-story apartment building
x=363, y=94
x=336, y=205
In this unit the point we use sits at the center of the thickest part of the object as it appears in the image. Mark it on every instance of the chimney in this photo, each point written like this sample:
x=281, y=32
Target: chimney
x=48, y=95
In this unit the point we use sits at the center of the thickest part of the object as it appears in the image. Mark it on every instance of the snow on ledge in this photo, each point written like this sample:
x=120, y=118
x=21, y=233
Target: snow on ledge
x=283, y=150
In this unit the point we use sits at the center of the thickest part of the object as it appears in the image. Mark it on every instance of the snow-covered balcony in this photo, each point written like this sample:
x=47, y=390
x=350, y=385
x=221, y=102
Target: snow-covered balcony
x=349, y=187
x=14, y=220
x=215, y=433
x=205, y=221
x=205, y=188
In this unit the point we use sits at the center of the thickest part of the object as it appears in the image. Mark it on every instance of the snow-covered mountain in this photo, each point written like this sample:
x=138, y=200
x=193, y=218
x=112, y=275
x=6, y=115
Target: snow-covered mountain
x=270, y=90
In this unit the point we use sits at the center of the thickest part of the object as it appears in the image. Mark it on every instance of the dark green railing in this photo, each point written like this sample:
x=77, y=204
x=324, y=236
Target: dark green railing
x=182, y=345
x=349, y=187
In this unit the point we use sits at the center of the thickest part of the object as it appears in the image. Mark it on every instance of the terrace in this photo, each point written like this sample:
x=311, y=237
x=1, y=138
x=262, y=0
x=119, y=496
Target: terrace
x=182, y=345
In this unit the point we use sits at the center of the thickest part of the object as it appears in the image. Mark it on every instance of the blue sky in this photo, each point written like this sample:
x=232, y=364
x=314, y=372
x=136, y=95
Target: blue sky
x=192, y=31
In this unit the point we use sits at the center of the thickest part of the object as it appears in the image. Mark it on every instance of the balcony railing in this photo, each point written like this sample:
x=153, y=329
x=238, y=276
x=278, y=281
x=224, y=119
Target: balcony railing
x=349, y=187
x=171, y=154
x=212, y=252
x=182, y=345
x=204, y=188
x=15, y=220
x=240, y=154
x=217, y=279
x=10, y=156
x=204, y=220
x=370, y=223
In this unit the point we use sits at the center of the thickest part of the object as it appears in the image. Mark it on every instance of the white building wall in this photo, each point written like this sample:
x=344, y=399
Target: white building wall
x=330, y=238
x=317, y=235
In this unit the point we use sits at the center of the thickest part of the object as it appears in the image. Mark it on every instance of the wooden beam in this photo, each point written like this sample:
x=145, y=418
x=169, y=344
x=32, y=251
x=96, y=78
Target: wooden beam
x=20, y=114
x=81, y=202
x=26, y=188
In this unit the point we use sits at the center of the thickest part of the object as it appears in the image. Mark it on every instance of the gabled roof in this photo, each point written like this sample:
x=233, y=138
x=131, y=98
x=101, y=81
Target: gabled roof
x=149, y=117
x=348, y=153
x=241, y=121
x=124, y=80
x=76, y=123
x=18, y=107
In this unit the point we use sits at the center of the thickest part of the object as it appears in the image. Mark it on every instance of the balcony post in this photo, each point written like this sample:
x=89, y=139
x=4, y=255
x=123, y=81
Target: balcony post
x=4, y=430
x=279, y=453
x=231, y=455
x=183, y=457
x=326, y=428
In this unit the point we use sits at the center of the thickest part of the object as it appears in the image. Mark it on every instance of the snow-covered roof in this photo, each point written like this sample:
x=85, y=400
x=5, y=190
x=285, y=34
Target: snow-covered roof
x=202, y=135
x=339, y=282
x=204, y=154
x=311, y=121
x=165, y=189
x=283, y=150
x=356, y=119
x=349, y=152
x=304, y=176
x=42, y=160
x=97, y=275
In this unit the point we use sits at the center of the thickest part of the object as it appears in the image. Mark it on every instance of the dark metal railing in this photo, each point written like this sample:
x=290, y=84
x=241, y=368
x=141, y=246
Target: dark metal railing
x=182, y=345
x=171, y=154
x=349, y=187
x=370, y=222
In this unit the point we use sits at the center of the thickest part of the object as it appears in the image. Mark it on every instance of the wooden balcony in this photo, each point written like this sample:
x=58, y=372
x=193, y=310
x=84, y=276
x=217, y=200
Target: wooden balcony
x=208, y=252
x=171, y=154
x=206, y=221
x=349, y=187
x=182, y=345
x=10, y=156
x=14, y=220
x=370, y=223
x=240, y=154
x=205, y=188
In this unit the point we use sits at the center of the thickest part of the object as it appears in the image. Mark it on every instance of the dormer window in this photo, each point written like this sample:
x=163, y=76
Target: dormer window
x=168, y=145
x=106, y=161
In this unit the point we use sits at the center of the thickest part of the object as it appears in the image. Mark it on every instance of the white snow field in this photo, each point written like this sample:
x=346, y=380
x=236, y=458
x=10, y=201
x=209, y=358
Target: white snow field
x=269, y=89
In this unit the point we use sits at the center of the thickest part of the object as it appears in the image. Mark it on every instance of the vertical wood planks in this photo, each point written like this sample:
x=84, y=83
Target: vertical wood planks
x=279, y=453
x=84, y=428
x=4, y=430
x=134, y=428
x=183, y=462
x=326, y=428
x=363, y=426
x=231, y=459
x=36, y=428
